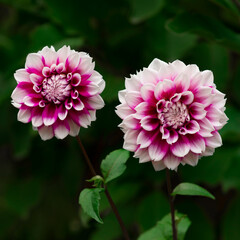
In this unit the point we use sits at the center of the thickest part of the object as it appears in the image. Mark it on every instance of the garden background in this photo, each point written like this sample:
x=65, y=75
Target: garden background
x=40, y=181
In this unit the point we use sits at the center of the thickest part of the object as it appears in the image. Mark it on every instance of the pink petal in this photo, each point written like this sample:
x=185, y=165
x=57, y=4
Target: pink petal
x=145, y=138
x=74, y=128
x=32, y=100
x=147, y=92
x=177, y=66
x=74, y=94
x=86, y=65
x=130, y=140
x=145, y=109
x=187, y=97
x=21, y=75
x=123, y=110
x=34, y=63
x=158, y=149
x=192, y=127
x=206, y=128
x=63, y=53
x=24, y=115
x=37, y=120
x=62, y=112
x=181, y=147
x=207, y=78
x=164, y=89
x=149, y=76
x=148, y=123
x=77, y=104
x=197, y=143
x=156, y=64
x=50, y=114
x=173, y=136
x=72, y=62
x=208, y=152
x=217, y=117
x=197, y=111
x=133, y=84
x=36, y=79
x=165, y=132
x=50, y=57
x=214, y=141
x=76, y=79
x=133, y=99
x=61, y=129
x=143, y=155
x=131, y=123
x=182, y=83
x=45, y=132
x=22, y=90
x=203, y=95
x=191, y=159
x=89, y=90
x=158, y=165
x=171, y=161
x=95, y=102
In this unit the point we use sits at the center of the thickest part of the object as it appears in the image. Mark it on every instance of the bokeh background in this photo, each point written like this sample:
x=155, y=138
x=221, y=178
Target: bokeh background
x=40, y=181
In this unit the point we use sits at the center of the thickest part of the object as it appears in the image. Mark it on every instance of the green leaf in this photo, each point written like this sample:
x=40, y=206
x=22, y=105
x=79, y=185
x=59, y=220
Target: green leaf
x=163, y=229
x=207, y=27
x=144, y=9
x=192, y=190
x=89, y=200
x=114, y=164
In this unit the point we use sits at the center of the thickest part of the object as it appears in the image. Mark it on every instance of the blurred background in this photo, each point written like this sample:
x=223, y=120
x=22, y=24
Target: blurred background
x=40, y=181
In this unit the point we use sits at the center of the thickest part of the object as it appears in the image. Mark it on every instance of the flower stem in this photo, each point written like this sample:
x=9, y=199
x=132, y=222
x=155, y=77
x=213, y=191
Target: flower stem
x=171, y=201
x=109, y=198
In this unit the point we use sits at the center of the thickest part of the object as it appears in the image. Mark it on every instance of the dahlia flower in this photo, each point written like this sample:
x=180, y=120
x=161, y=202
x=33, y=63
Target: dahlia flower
x=171, y=114
x=58, y=91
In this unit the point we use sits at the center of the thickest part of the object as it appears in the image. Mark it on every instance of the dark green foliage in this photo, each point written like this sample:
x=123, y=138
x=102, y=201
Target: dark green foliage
x=40, y=181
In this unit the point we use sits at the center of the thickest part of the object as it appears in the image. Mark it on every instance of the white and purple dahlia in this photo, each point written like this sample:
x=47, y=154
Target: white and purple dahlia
x=58, y=91
x=171, y=114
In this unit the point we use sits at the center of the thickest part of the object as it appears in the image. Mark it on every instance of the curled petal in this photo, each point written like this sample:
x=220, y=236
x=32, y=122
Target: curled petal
x=149, y=124
x=77, y=104
x=173, y=136
x=197, y=111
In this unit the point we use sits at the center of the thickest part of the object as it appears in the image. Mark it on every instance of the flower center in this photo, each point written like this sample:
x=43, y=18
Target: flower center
x=56, y=88
x=172, y=114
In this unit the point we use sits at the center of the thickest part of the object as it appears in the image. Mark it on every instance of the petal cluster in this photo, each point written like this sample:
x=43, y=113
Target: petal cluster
x=171, y=114
x=58, y=91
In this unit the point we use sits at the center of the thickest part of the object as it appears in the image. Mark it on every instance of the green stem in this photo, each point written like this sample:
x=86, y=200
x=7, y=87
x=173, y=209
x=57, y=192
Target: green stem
x=109, y=198
x=171, y=201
